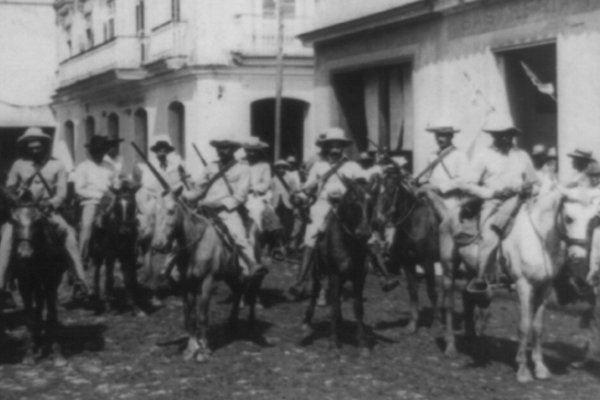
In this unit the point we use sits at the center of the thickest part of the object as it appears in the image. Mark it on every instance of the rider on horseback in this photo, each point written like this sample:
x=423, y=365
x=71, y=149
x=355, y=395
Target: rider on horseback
x=324, y=180
x=46, y=179
x=501, y=175
x=223, y=188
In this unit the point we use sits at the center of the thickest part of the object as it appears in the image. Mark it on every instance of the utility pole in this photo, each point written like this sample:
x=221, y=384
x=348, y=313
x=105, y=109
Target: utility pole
x=279, y=79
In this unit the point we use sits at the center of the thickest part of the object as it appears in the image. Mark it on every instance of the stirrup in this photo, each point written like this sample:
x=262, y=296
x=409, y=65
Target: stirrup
x=479, y=291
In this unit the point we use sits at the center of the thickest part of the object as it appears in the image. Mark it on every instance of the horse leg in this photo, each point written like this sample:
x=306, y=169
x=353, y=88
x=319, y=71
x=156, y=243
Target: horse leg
x=430, y=279
x=109, y=282
x=335, y=286
x=128, y=269
x=412, y=284
x=315, y=289
x=202, y=320
x=524, y=290
x=358, y=286
x=539, y=306
x=449, y=260
x=189, y=302
x=53, y=326
x=27, y=296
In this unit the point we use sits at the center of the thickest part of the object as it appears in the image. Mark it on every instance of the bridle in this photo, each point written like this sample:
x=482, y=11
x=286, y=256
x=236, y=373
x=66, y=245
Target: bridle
x=562, y=233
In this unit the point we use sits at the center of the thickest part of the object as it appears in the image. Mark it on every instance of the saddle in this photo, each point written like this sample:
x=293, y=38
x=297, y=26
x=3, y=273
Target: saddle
x=467, y=231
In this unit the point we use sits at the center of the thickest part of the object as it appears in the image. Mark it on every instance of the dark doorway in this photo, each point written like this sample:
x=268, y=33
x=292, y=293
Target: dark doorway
x=533, y=111
x=292, y=125
x=177, y=126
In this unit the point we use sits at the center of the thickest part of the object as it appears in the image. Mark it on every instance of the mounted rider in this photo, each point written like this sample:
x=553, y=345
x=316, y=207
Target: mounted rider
x=581, y=161
x=169, y=165
x=544, y=162
x=93, y=179
x=501, y=175
x=223, y=188
x=449, y=166
x=45, y=178
x=324, y=183
x=260, y=180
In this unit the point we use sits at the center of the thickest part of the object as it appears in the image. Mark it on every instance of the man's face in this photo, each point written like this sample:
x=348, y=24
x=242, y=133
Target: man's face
x=444, y=140
x=35, y=149
x=579, y=164
x=503, y=140
x=161, y=153
x=252, y=155
x=280, y=169
x=113, y=152
x=225, y=152
x=335, y=150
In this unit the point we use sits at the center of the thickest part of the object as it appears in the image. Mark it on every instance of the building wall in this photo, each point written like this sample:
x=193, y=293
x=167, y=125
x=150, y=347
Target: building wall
x=27, y=51
x=457, y=71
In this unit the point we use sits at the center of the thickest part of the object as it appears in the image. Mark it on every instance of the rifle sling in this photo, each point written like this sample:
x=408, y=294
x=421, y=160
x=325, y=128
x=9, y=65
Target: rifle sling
x=220, y=174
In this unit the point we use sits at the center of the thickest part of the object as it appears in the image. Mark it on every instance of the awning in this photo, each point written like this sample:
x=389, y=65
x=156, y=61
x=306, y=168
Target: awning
x=16, y=116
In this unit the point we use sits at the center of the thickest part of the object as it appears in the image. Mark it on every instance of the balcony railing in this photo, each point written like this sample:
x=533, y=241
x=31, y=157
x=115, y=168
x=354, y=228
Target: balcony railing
x=168, y=41
x=119, y=53
x=257, y=35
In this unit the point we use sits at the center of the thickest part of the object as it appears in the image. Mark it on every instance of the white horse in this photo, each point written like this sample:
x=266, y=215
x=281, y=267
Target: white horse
x=533, y=253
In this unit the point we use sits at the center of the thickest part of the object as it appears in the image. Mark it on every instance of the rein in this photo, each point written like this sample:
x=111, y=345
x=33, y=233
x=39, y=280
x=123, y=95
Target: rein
x=569, y=241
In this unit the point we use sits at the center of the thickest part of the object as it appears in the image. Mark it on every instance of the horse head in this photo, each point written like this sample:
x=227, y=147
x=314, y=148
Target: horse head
x=123, y=210
x=27, y=219
x=355, y=208
x=168, y=221
x=575, y=217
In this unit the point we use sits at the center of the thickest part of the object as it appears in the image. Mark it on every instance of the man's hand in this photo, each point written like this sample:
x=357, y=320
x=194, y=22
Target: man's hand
x=213, y=205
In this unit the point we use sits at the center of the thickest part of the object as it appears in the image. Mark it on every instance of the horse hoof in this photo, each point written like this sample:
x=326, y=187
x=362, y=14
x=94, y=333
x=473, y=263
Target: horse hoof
x=524, y=375
x=450, y=351
x=583, y=364
x=202, y=357
x=29, y=361
x=412, y=327
x=60, y=362
x=188, y=355
x=305, y=327
x=140, y=314
x=542, y=373
x=365, y=352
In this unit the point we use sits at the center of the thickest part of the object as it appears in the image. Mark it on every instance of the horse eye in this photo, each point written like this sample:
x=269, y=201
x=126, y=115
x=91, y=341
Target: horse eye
x=568, y=220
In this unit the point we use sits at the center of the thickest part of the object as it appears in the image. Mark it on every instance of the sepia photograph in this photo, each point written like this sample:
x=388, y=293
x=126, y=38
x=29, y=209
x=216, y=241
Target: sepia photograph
x=299, y=199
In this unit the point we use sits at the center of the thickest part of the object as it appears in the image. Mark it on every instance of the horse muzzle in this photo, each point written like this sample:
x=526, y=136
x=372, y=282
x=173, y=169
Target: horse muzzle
x=25, y=250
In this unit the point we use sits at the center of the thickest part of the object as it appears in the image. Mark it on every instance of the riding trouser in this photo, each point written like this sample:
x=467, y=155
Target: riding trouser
x=233, y=221
x=88, y=214
x=318, y=215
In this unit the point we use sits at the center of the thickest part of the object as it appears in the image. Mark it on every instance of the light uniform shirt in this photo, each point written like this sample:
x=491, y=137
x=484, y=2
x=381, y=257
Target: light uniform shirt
x=117, y=163
x=578, y=179
x=170, y=173
x=333, y=185
x=492, y=170
x=373, y=172
x=238, y=177
x=53, y=172
x=92, y=181
x=260, y=178
x=280, y=194
x=448, y=172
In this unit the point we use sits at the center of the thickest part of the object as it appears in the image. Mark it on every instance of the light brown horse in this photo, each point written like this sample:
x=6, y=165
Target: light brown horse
x=205, y=255
x=534, y=252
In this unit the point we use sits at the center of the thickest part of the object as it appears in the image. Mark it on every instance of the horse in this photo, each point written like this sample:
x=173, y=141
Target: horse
x=532, y=254
x=205, y=255
x=341, y=252
x=114, y=238
x=38, y=263
x=411, y=229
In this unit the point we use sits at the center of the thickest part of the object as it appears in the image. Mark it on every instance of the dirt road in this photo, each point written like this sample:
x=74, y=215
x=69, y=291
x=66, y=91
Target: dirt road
x=118, y=356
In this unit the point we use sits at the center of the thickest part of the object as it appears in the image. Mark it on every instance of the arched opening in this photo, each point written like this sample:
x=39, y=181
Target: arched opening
x=90, y=128
x=113, y=127
x=177, y=126
x=69, y=137
x=293, y=115
x=140, y=129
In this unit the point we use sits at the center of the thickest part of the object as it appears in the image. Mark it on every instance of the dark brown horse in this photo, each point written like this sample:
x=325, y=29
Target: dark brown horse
x=341, y=256
x=410, y=226
x=114, y=238
x=38, y=263
x=205, y=255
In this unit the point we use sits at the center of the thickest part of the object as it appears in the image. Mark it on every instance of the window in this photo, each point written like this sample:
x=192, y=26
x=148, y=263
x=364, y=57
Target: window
x=89, y=38
x=177, y=126
x=90, y=128
x=140, y=129
x=109, y=29
x=270, y=8
x=113, y=126
x=140, y=23
x=175, y=10
x=69, y=137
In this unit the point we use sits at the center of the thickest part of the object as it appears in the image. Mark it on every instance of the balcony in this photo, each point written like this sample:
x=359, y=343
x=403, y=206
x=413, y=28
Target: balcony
x=168, y=43
x=121, y=55
x=257, y=36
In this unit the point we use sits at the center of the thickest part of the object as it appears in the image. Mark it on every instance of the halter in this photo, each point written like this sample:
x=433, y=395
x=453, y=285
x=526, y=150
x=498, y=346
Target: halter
x=559, y=223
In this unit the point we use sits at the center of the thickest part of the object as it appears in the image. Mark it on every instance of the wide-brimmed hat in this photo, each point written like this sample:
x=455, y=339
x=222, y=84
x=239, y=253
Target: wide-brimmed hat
x=162, y=141
x=320, y=138
x=539, y=150
x=335, y=135
x=34, y=133
x=291, y=160
x=281, y=163
x=254, y=143
x=552, y=153
x=98, y=143
x=364, y=156
x=227, y=141
x=498, y=124
x=444, y=127
x=582, y=154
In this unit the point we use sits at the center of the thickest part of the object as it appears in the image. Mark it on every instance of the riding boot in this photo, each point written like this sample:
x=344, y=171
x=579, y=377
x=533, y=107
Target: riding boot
x=297, y=289
x=6, y=242
x=387, y=283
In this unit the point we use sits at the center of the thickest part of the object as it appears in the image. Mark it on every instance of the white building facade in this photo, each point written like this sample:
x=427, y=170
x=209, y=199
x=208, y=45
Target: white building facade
x=386, y=69
x=194, y=69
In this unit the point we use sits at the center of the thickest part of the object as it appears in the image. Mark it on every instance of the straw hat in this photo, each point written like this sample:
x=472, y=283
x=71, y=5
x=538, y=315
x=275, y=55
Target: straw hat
x=335, y=135
x=162, y=141
x=499, y=124
x=582, y=154
x=254, y=143
x=227, y=141
x=34, y=133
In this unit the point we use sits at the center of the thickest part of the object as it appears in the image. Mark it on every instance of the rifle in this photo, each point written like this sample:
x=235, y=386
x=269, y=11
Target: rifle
x=229, y=188
x=183, y=177
x=443, y=154
x=166, y=187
